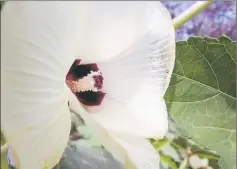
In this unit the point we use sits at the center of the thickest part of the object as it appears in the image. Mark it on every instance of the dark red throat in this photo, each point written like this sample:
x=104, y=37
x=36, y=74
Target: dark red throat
x=77, y=72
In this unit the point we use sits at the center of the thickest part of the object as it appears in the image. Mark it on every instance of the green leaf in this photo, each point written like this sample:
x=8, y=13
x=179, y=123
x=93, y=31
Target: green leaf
x=158, y=144
x=201, y=97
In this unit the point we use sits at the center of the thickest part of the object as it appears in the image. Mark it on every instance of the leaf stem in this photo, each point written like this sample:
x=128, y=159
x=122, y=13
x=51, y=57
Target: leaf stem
x=184, y=164
x=177, y=146
x=207, y=156
x=190, y=12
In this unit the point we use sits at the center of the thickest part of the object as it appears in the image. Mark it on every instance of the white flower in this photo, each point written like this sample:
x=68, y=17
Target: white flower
x=132, y=43
x=196, y=162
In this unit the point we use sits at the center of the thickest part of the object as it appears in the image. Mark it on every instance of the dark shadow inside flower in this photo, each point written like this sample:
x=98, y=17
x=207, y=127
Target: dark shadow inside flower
x=86, y=82
x=78, y=70
x=90, y=98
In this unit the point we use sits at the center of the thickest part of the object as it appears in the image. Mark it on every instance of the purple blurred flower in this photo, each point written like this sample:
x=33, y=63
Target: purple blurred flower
x=219, y=18
x=9, y=159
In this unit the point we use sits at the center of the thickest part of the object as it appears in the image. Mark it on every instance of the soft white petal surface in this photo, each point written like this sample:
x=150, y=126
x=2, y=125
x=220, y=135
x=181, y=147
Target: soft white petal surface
x=145, y=115
x=117, y=25
x=136, y=80
x=38, y=45
x=134, y=152
x=149, y=61
x=139, y=150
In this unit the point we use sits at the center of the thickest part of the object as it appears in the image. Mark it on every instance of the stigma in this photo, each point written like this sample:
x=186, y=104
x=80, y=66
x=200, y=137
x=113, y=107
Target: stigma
x=91, y=82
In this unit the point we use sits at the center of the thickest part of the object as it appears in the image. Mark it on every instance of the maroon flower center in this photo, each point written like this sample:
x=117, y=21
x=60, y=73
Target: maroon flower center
x=86, y=82
x=98, y=79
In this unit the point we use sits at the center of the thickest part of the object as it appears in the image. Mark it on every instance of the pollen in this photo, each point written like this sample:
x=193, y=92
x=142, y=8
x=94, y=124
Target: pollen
x=92, y=82
x=98, y=79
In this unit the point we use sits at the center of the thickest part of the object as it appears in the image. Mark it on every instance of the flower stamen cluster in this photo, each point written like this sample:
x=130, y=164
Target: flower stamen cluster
x=92, y=82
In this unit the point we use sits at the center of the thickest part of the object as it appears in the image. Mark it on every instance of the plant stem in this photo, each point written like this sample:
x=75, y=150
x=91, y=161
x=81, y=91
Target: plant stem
x=177, y=146
x=184, y=164
x=207, y=156
x=190, y=12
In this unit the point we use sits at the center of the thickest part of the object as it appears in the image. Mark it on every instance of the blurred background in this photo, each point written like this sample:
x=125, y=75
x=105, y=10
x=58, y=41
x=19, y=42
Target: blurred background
x=219, y=18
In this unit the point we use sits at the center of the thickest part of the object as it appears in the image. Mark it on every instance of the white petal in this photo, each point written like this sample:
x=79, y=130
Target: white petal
x=134, y=152
x=204, y=162
x=139, y=150
x=149, y=61
x=145, y=115
x=100, y=132
x=117, y=25
x=196, y=162
x=38, y=44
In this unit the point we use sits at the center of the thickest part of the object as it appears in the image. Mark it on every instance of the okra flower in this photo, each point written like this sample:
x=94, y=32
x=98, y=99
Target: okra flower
x=124, y=54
